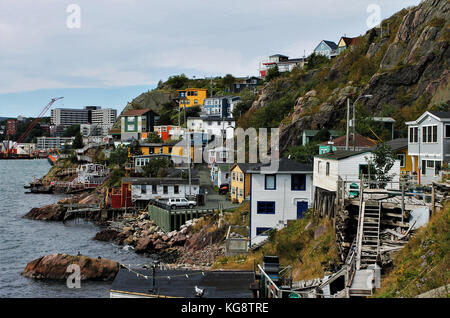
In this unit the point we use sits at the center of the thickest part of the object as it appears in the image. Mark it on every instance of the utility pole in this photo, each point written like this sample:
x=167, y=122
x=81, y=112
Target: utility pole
x=348, y=118
x=353, y=125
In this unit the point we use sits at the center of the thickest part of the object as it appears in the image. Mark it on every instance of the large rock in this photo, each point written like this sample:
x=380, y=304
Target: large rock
x=144, y=244
x=52, y=212
x=106, y=235
x=54, y=266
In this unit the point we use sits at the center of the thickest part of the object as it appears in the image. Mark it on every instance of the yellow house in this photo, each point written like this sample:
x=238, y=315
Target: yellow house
x=240, y=181
x=192, y=97
x=400, y=147
x=171, y=148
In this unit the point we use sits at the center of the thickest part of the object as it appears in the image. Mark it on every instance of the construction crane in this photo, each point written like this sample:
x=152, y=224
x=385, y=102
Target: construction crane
x=31, y=126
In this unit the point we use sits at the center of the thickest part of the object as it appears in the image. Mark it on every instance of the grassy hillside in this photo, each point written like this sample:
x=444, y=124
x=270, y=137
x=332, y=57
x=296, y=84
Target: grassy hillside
x=307, y=245
x=424, y=263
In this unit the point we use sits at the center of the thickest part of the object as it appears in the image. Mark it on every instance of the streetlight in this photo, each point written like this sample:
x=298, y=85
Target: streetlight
x=353, y=121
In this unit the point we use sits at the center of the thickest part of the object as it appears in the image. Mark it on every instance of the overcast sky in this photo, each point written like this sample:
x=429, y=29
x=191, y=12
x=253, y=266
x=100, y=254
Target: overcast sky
x=124, y=47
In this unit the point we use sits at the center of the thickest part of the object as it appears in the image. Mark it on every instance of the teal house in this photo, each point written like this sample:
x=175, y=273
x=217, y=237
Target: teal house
x=134, y=123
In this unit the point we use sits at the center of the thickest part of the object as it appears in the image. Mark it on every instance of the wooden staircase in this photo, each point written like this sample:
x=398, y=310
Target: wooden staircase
x=370, y=244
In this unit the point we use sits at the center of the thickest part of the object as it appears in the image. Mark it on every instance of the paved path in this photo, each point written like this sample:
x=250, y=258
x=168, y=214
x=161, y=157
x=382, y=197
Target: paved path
x=213, y=199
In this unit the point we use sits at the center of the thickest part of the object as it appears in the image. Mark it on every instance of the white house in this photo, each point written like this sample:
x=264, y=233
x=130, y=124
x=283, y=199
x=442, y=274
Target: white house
x=348, y=165
x=429, y=144
x=220, y=174
x=279, y=197
x=145, y=189
x=219, y=126
x=194, y=124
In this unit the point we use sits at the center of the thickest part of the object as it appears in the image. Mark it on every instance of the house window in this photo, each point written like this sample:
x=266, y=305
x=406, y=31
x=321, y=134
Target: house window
x=234, y=176
x=263, y=231
x=298, y=182
x=327, y=169
x=270, y=182
x=429, y=134
x=401, y=157
x=164, y=129
x=447, y=131
x=413, y=134
x=176, y=189
x=165, y=190
x=143, y=189
x=154, y=189
x=265, y=207
x=318, y=167
x=241, y=177
x=241, y=193
x=195, y=101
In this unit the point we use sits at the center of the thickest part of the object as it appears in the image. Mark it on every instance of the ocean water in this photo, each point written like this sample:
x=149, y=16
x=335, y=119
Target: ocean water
x=22, y=240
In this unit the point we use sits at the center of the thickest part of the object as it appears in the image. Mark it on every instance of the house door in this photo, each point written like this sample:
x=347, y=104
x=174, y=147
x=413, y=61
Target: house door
x=302, y=206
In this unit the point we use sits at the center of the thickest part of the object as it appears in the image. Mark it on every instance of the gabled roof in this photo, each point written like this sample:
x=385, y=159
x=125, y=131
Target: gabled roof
x=360, y=141
x=349, y=41
x=279, y=55
x=441, y=116
x=245, y=166
x=331, y=44
x=340, y=154
x=286, y=166
x=137, y=112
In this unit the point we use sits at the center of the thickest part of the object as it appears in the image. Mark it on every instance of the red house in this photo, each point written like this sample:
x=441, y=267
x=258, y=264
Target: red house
x=163, y=131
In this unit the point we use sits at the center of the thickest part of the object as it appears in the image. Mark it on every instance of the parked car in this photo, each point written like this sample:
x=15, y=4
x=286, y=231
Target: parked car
x=180, y=202
x=224, y=188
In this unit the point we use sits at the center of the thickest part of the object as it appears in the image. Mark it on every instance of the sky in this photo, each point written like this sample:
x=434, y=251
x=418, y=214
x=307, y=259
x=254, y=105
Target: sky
x=106, y=52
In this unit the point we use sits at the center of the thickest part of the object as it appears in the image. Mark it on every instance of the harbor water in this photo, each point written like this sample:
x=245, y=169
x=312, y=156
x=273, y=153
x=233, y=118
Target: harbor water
x=22, y=240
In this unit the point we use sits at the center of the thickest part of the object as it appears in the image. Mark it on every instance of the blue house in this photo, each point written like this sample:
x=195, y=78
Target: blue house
x=326, y=48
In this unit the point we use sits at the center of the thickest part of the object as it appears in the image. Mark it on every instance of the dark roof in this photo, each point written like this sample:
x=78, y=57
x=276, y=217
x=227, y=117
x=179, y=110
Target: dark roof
x=216, y=284
x=340, y=154
x=331, y=44
x=280, y=55
x=246, y=166
x=440, y=114
x=360, y=141
x=396, y=144
x=350, y=41
x=286, y=165
x=216, y=118
x=160, y=181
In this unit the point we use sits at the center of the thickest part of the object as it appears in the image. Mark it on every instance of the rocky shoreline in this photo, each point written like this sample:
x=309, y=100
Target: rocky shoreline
x=196, y=245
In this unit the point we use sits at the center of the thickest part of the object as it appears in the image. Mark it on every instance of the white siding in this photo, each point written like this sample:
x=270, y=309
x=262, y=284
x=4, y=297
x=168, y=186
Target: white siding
x=136, y=192
x=285, y=202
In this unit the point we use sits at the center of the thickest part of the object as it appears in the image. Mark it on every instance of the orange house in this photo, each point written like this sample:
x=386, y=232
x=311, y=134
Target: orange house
x=192, y=97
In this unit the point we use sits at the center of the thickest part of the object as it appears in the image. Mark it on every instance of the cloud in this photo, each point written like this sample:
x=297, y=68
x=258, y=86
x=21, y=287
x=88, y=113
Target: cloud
x=137, y=42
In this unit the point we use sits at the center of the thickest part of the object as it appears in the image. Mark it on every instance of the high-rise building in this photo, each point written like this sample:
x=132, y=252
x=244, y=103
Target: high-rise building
x=105, y=116
x=69, y=116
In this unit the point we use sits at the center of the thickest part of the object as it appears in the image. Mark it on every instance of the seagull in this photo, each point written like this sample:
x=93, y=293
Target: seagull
x=199, y=292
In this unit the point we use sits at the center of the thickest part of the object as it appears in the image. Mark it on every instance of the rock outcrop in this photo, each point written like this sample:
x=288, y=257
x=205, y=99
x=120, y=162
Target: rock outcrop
x=55, y=266
x=52, y=212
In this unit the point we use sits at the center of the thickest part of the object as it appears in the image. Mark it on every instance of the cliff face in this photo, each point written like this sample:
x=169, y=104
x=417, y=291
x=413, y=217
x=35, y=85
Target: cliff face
x=152, y=99
x=407, y=71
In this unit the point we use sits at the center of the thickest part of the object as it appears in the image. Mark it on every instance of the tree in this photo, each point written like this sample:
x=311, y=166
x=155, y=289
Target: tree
x=272, y=73
x=383, y=161
x=305, y=153
x=316, y=60
x=228, y=81
x=119, y=156
x=177, y=81
x=78, y=142
x=156, y=168
x=247, y=97
x=153, y=137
